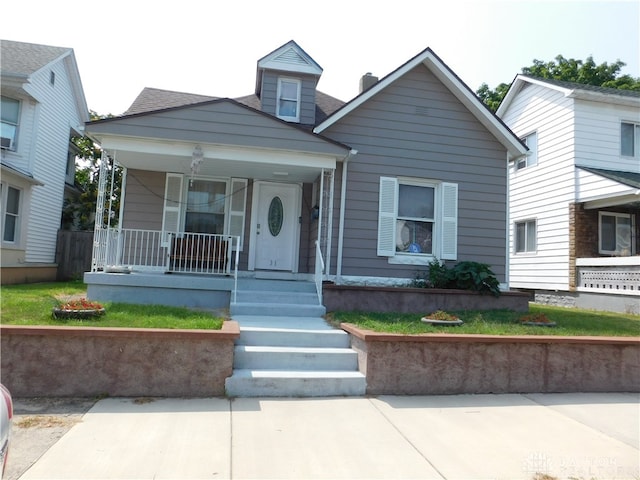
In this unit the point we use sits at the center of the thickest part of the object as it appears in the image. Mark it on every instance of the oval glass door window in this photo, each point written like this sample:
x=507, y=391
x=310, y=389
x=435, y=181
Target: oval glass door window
x=275, y=216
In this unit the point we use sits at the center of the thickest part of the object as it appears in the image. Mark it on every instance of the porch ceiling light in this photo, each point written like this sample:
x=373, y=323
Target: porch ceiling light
x=281, y=174
x=196, y=160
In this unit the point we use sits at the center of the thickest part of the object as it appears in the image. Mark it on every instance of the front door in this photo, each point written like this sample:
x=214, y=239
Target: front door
x=275, y=226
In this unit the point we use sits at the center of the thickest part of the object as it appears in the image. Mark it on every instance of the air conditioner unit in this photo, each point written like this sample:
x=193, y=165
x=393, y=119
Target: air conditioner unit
x=6, y=142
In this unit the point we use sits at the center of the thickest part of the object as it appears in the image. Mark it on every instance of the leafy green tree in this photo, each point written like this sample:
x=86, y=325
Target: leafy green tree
x=567, y=69
x=79, y=209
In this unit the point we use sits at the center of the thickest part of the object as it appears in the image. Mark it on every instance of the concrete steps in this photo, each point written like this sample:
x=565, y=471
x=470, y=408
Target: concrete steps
x=276, y=298
x=293, y=356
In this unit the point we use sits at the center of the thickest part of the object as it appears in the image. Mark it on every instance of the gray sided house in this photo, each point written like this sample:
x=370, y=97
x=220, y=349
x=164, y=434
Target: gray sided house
x=292, y=183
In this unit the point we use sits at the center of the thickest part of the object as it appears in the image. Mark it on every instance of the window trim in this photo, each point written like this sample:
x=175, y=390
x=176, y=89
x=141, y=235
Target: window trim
x=445, y=225
x=527, y=250
x=616, y=215
x=298, y=83
x=13, y=145
x=4, y=192
x=530, y=159
x=176, y=203
x=635, y=146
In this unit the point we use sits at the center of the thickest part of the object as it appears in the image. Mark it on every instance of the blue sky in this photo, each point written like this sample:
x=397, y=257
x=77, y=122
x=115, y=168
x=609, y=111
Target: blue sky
x=211, y=47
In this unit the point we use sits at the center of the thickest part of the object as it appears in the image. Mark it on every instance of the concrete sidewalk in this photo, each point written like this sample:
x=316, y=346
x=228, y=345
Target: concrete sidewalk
x=436, y=437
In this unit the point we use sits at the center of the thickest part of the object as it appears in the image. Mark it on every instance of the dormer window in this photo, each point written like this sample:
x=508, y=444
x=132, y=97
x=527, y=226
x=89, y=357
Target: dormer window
x=288, y=105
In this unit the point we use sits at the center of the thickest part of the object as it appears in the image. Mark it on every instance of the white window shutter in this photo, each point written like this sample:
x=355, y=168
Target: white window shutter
x=449, y=238
x=387, y=212
x=237, y=209
x=172, y=201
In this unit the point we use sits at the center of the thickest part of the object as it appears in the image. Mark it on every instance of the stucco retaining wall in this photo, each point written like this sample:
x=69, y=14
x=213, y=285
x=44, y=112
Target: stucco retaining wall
x=433, y=364
x=416, y=300
x=85, y=361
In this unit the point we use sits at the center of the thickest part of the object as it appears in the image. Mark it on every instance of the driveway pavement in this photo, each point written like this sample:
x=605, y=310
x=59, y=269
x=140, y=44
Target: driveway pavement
x=582, y=436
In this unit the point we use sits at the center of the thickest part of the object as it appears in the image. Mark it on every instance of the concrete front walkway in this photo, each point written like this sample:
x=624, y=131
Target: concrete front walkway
x=437, y=437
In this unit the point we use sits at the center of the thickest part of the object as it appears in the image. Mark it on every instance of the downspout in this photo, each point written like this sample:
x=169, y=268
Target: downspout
x=508, y=217
x=343, y=201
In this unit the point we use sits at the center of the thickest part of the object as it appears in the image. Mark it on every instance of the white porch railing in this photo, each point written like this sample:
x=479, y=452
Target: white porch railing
x=611, y=275
x=319, y=272
x=152, y=250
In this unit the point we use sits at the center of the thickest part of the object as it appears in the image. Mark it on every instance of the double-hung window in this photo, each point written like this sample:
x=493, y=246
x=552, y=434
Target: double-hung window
x=288, y=106
x=417, y=220
x=525, y=233
x=615, y=233
x=10, y=213
x=212, y=206
x=630, y=139
x=531, y=158
x=9, y=116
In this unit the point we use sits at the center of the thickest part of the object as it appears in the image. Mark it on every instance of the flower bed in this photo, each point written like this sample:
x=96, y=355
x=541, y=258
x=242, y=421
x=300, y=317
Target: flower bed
x=440, y=317
x=79, y=309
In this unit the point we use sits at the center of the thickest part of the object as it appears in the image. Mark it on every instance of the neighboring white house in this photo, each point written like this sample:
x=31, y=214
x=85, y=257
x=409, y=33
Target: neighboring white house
x=43, y=106
x=574, y=201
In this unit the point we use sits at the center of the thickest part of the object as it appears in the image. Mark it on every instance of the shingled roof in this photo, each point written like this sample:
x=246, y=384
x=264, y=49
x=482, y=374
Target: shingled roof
x=590, y=88
x=627, y=178
x=19, y=58
x=152, y=99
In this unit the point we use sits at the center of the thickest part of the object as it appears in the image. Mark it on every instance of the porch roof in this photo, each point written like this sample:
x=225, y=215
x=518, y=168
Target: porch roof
x=236, y=140
x=622, y=189
x=626, y=178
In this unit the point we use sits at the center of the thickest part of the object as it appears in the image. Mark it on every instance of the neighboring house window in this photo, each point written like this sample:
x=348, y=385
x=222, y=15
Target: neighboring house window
x=615, y=233
x=10, y=213
x=417, y=220
x=52, y=78
x=630, y=139
x=9, y=114
x=525, y=236
x=288, y=107
x=531, y=158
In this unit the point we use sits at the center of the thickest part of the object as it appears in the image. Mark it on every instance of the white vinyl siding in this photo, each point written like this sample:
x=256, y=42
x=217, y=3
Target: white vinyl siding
x=45, y=156
x=430, y=227
x=543, y=193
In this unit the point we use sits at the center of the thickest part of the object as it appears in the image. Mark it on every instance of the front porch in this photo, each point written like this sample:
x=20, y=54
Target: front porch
x=208, y=292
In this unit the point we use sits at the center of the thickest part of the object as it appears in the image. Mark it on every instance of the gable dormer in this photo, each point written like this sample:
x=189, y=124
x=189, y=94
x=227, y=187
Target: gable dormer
x=286, y=83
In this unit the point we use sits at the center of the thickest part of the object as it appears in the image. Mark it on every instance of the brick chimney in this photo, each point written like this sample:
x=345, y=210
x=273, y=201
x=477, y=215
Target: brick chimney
x=367, y=81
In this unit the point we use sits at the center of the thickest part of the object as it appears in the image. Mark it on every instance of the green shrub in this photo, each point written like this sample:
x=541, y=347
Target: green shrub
x=465, y=275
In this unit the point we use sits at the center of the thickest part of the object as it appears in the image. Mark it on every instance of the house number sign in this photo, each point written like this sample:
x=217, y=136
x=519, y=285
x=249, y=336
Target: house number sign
x=275, y=216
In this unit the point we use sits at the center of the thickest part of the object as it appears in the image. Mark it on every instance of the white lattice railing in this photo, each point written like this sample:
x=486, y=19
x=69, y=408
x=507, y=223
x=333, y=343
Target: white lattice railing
x=617, y=275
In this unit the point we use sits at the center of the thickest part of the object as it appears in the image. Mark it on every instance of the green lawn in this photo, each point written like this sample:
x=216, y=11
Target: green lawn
x=32, y=304
x=570, y=321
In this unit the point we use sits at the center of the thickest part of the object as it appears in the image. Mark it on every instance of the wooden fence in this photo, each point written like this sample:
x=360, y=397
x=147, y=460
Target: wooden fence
x=73, y=254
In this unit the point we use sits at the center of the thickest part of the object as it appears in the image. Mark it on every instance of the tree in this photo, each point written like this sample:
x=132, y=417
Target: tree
x=79, y=209
x=567, y=69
